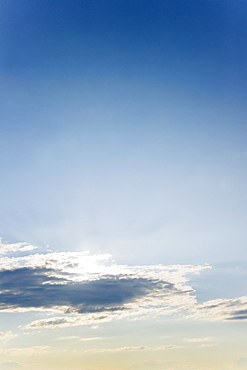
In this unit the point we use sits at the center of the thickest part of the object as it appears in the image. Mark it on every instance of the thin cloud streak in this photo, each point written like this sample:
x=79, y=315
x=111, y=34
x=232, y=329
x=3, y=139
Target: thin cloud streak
x=128, y=349
x=221, y=309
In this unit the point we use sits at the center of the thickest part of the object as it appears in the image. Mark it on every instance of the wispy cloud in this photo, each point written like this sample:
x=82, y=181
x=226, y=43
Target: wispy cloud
x=5, y=336
x=206, y=345
x=90, y=339
x=221, y=309
x=27, y=351
x=197, y=340
x=64, y=322
x=128, y=349
x=6, y=248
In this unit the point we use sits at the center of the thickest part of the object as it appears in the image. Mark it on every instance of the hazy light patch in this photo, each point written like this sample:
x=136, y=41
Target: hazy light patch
x=28, y=351
x=10, y=365
x=160, y=365
x=241, y=362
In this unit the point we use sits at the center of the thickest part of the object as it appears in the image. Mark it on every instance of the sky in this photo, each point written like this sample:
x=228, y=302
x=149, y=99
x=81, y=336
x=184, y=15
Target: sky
x=123, y=154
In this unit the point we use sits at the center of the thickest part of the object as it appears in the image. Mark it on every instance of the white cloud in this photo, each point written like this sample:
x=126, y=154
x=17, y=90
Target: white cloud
x=64, y=322
x=221, y=309
x=92, y=289
x=197, y=340
x=128, y=349
x=7, y=248
x=90, y=339
x=208, y=345
x=7, y=335
x=69, y=337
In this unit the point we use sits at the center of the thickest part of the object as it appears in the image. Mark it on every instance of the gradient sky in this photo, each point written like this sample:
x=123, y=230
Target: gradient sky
x=123, y=133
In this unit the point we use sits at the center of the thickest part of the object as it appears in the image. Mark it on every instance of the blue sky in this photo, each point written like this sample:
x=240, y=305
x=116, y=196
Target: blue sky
x=123, y=132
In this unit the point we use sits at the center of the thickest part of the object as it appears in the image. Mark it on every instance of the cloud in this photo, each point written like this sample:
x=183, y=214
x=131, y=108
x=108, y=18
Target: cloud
x=221, y=309
x=28, y=351
x=71, y=337
x=197, y=340
x=7, y=248
x=130, y=349
x=90, y=339
x=120, y=349
x=206, y=345
x=5, y=336
x=91, y=289
x=28, y=288
x=64, y=322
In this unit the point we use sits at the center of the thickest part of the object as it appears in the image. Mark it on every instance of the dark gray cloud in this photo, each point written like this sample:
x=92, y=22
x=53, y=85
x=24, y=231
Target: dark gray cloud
x=236, y=316
x=48, y=288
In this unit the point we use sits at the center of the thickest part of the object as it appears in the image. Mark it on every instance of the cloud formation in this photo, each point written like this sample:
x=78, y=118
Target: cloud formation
x=28, y=351
x=5, y=336
x=15, y=247
x=87, y=289
x=43, y=288
x=130, y=349
x=221, y=309
x=197, y=340
x=90, y=289
x=160, y=365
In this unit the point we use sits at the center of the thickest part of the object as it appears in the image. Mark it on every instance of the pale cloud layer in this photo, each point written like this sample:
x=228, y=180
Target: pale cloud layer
x=27, y=351
x=11, y=365
x=221, y=309
x=197, y=340
x=160, y=365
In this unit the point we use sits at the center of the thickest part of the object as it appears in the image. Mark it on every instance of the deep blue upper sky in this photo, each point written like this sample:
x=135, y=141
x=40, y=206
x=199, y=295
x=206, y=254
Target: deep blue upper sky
x=124, y=125
x=177, y=42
